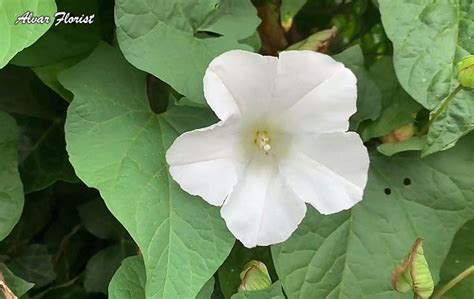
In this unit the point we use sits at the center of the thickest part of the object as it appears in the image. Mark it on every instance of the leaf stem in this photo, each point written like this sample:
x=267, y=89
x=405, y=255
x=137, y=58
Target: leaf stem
x=453, y=282
x=442, y=108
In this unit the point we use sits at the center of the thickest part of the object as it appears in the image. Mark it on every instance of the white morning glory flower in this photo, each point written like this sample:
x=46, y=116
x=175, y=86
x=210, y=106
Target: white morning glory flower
x=281, y=142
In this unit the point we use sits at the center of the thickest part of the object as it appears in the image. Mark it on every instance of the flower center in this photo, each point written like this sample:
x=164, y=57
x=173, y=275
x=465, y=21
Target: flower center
x=262, y=141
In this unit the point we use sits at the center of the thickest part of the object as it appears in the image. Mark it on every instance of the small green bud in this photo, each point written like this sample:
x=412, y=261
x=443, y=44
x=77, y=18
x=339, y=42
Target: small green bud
x=255, y=277
x=466, y=72
x=286, y=22
x=414, y=274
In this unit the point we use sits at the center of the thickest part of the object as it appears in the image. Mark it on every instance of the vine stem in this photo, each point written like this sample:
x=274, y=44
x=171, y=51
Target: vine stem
x=453, y=282
x=442, y=108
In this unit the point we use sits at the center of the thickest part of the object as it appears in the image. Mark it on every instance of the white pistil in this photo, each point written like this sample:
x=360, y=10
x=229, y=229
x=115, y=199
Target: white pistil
x=263, y=141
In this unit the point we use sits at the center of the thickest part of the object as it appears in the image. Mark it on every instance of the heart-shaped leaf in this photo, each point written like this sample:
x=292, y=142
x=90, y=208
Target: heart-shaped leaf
x=177, y=47
x=117, y=144
x=430, y=37
x=354, y=253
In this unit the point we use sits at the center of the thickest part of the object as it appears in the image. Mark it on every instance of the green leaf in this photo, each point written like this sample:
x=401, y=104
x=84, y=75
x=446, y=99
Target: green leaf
x=460, y=257
x=430, y=37
x=207, y=290
x=117, y=145
x=17, y=285
x=64, y=41
x=375, y=43
x=352, y=254
x=288, y=10
x=11, y=188
x=229, y=272
x=102, y=266
x=16, y=37
x=412, y=144
x=65, y=236
x=35, y=264
x=49, y=75
x=227, y=19
x=454, y=123
x=23, y=94
x=273, y=292
x=42, y=155
x=31, y=222
x=398, y=108
x=177, y=48
x=64, y=45
x=253, y=41
x=98, y=221
x=69, y=290
x=129, y=280
x=43, y=158
x=368, y=93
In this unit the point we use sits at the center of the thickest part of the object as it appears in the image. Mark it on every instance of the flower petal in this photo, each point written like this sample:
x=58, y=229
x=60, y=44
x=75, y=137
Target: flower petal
x=328, y=171
x=262, y=209
x=240, y=83
x=314, y=92
x=207, y=162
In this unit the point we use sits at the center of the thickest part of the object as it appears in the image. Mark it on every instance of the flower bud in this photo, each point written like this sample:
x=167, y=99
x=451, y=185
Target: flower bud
x=255, y=277
x=399, y=135
x=466, y=72
x=319, y=41
x=414, y=274
x=286, y=23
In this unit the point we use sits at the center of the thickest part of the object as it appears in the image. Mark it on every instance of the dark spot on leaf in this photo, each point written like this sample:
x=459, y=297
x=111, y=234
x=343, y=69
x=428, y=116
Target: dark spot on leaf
x=387, y=191
x=206, y=34
x=406, y=181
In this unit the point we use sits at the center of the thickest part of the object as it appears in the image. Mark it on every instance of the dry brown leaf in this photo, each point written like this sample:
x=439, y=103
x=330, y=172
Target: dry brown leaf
x=270, y=30
x=5, y=289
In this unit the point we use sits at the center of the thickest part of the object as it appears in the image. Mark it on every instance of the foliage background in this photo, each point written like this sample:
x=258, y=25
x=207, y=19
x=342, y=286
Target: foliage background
x=88, y=209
